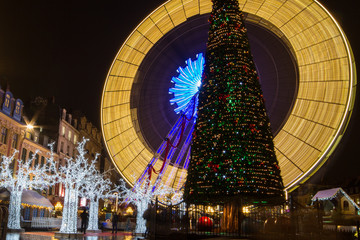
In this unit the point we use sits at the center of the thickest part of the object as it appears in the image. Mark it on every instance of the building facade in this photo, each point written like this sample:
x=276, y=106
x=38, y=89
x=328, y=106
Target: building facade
x=18, y=136
x=29, y=133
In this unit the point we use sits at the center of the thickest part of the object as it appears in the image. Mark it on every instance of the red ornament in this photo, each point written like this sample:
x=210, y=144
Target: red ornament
x=253, y=128
x=205, y=223
x=213, y=166
x=224, y=97
x=245, y=68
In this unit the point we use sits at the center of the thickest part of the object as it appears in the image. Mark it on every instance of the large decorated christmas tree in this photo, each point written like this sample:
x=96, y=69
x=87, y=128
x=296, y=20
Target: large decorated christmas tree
x=232, y=153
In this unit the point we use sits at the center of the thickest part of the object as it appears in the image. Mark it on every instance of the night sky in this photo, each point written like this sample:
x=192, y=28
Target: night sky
x=65, y=48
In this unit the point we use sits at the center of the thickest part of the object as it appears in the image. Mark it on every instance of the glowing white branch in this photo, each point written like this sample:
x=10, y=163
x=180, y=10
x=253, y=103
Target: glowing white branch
x=141, y=195
x=25, y=177
x=73, y=175
x=97, y=187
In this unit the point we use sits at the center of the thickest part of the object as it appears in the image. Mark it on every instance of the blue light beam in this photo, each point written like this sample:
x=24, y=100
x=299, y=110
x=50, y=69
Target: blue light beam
x=187, y=83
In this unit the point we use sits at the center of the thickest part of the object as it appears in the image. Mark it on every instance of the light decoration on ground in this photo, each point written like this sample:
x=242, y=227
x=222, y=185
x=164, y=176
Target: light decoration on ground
x=187, y=83
x=141, y=196
x=73, y=175
x=26, y=177
x=97, y=187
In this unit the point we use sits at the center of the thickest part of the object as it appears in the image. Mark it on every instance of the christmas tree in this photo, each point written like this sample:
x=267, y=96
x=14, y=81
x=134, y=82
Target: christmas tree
x=232, y=153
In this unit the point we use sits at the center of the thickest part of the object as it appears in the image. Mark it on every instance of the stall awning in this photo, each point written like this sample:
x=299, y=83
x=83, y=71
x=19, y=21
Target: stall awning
x=327, y=194
x=332, y=193
x=34, y=198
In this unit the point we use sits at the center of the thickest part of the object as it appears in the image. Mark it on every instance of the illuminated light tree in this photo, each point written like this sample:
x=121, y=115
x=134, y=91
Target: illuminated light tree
x=96, y=187
x=73, y=175
x=26, y=176
x=232, y=154
x=141, y=196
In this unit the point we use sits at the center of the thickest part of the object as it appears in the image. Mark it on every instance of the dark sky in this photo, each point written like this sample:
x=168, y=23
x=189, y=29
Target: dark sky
x=65, y=48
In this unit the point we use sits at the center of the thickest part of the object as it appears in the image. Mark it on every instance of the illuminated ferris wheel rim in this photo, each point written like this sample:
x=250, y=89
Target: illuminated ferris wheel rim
x=320, y=114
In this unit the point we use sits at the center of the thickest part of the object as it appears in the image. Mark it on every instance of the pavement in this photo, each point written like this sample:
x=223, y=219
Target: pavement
x=87, y=236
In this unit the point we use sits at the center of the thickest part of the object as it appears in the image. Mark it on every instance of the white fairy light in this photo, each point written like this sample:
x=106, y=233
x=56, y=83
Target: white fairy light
x=141, y=195
x=25, y=177
x=73, y=176
x=96, y=187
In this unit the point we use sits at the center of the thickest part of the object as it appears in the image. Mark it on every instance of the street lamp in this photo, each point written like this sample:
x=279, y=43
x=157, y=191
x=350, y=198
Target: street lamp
x=116, y=202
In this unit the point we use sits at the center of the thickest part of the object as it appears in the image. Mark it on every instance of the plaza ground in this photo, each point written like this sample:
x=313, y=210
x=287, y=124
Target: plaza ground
x=87, y=236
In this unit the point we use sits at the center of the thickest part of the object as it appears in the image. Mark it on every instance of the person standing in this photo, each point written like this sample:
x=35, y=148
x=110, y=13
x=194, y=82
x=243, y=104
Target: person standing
x=84, y=221
x=115, y=219
x=147, y=216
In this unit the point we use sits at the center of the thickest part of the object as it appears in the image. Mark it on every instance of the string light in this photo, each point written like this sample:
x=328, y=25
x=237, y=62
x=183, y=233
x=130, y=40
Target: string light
x=26, y=177
x=232, y=119
x=141, y=196
x=74, y=175
x=96, y=188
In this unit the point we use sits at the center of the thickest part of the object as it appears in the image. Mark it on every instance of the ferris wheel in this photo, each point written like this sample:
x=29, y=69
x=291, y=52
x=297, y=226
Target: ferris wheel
x=149, y=97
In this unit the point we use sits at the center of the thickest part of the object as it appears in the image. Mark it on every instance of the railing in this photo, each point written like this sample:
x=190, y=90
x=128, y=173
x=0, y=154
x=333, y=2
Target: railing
x=48, y=222
x=256, y=223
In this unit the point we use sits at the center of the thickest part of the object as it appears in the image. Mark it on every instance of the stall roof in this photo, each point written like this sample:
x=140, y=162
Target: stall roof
x=34, y=198
x=327, y=194
x=28, y=197
x=332, y=193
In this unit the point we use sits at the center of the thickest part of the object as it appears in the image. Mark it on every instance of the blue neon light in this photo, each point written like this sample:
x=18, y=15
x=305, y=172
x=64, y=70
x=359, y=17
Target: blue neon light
x=187, y=83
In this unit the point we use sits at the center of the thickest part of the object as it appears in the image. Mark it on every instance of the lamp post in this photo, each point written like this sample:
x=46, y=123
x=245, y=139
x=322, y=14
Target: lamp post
x=116, y=202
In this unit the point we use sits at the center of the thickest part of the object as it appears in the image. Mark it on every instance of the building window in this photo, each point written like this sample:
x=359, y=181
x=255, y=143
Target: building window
x=17, y=108
x=31, y=154
x=42, y=161
x=69, y=135
x=14, y=140
x=63, y=131
x=23, y=154
x=17, y=111
x=35, y=211
x=61, y=190
x=7, y=100
x=82, y=202
x=75, y=139
x=346, y=205
x=68, y=150
x=42, y=212
x=62, y=147
x=28, y=135
x=12, y=165
x=27, y=213
x=36, y=162
x=4, y=132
